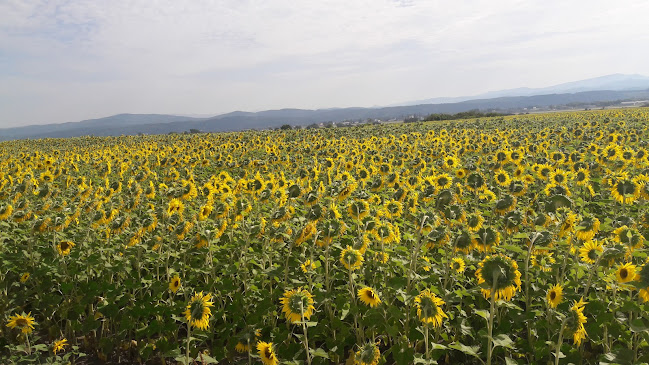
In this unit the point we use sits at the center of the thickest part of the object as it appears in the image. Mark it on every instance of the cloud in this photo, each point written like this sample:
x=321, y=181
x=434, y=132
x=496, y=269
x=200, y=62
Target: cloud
x=101, y=58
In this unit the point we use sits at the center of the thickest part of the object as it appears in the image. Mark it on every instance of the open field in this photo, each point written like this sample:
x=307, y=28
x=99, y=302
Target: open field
x=514, y=240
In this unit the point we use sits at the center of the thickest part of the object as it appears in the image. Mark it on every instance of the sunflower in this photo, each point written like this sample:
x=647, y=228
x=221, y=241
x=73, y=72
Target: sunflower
x=297, y=304
x=242, y=347
x=486, y=238
x=475, y=182
x=457, y=265
x=351, y=258
x=629, y=237
x=5, y=211
x=267, y=353
x=625, y=273
x=174, y=283
x=382, y=257
x=64, y=247
x=554, y=295
x=587, y=228
x=545, y=261
x=369, y=296
x=25, y=322
x=368, y=354
x=474, y=222
x=625, y=191
x=559, y=177
x=198, y=312
x=643, y=278
x=24, y=277
x=307, y=266
x=59, y=345
x=576, y=321
x=429, y=308
x=582, y=177
x=175, y=206
x=462, y=243
x=204, y=212
x=501, y=273
x=502, y=178
x=359, y=209
x=393, y=209
x=442, y=181
x=505, y=205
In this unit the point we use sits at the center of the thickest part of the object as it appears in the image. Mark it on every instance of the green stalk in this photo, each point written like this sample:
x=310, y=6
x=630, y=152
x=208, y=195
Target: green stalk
x=492, y=311
x=189, y=328
x=559, y=342
x=426, y=341
x=306, y=338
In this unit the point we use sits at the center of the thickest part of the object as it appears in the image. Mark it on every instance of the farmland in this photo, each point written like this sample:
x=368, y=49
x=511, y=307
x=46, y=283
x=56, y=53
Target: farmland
x=517, y=239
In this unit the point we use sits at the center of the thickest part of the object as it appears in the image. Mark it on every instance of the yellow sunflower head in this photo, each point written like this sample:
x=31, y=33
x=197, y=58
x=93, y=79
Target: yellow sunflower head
x=267, y=353
x=24, y=322
x=625, y=191
x=500, y=273
x=625, y=273
x=590, y=251
x=59, y=345
x=554, y=295
x=64, y=247
x=429, y=308
x=174, y=283
x=352, y=259
x=457, y=265
x=369, y=296
x=576, y=321
x=198, y=312
x=368, y=354
x=297, y=305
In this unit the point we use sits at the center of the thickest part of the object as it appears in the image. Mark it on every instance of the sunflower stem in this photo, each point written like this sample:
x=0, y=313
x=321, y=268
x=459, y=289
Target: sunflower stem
x=492, y=312
x=29, y=346
x=426, y=341
x=249, y=350
x=306, y=338
x=351, y=292
x=590, y=276
x=288, y=256
x=189, y=331
x=528, y=300
x=557, y=350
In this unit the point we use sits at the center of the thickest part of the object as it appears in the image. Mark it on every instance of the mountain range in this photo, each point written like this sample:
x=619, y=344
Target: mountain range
x=611, y=88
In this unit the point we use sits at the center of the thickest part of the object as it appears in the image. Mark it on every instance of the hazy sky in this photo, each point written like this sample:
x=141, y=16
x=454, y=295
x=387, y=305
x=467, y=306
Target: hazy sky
x=63, y=61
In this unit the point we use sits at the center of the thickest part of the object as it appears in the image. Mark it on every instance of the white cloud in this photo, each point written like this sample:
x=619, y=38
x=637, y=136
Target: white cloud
x=81, y=59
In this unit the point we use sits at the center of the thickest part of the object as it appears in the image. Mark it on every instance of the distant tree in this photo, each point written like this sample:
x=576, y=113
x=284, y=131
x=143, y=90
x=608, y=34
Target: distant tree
x=194, y=130
x=286, y=126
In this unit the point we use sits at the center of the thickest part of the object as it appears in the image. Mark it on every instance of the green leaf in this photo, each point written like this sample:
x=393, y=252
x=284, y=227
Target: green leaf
x=483, y=313
x=437, y=346
x=319, y=353
x=512, y=248
x=469, y=350
x=504, y=341
x=205, y=359
x=510, y=361
x=639, y=325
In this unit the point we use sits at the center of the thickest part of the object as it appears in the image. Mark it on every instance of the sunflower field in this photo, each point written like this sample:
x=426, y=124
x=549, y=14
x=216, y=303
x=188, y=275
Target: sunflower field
x=508, y=240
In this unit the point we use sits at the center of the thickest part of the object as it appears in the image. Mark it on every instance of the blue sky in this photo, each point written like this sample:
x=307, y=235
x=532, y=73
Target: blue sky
x=63, y=61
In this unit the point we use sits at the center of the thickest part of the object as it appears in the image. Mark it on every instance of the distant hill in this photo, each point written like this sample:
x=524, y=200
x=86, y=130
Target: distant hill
x=615, y=82
x=131, y=124
x=99, y=127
